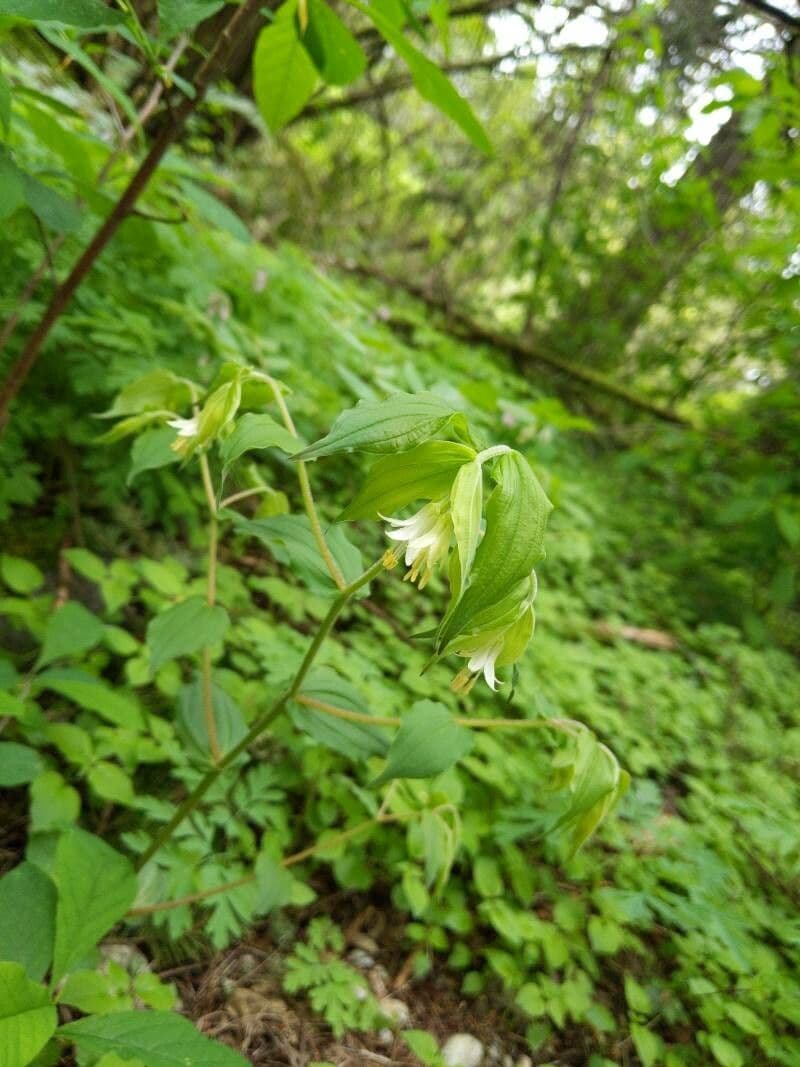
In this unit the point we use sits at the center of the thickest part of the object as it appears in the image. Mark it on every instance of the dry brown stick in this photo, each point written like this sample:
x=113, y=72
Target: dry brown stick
x=172, y=129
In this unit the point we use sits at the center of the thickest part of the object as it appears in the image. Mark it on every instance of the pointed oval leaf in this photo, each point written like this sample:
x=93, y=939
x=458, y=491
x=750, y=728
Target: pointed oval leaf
x=336, y=53
x=184, y=629
x=71, y=631
x=157, y=1038
x=427, y=743
x=395, y=424
x=96, y=885
x=423, y=473
x=283, y=75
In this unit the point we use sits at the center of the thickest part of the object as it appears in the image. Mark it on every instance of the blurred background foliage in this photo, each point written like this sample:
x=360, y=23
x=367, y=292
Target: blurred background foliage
x=613, y=290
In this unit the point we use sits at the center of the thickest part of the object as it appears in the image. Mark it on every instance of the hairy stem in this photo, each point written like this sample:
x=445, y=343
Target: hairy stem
x=305, y=489
x=263, y=721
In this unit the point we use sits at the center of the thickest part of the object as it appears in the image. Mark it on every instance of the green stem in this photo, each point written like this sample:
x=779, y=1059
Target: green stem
x=265, y=720
x=561, y=725
x=305, y=489
x=211, y=597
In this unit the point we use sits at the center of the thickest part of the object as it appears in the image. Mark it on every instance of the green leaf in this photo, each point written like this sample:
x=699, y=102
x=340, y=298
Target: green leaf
x=291, y=541
x=18, y=764
x=637, y=996
x=336, y=53
x=92, y=992
x=725, y=1052
x=424, y=1046
x=175, y=16
x=355, y=740
x=283, y=75
x=273, y=884
x=151, y=451
x=212, y=210
x=50, y=206
x=184, y=629
x=20, y=575
x=516, y=517
x=110, y=782
x=394, y=481
x=160, y=390
x=231, y=726
x=430, y=82
x=5, y=104
x=112, y=704
x=253, y=432
x=83, y=14
x=395, y=424
x=12, y=190
x=27, y=1017
x=71, y=631
x=27, y=918
x=427, y=743
x=54, y=804
x=96, y=886
x=466, y=503
x=596, y=784
x=648, y=1045
x=158, y=1038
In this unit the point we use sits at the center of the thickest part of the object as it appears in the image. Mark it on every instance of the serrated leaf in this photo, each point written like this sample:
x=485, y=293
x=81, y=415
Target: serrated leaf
x=291, y=541
x=212, y=210
x=96, y=885
x=422, y=473
x=395, y=424
x=254, y=432
x=71, y=630
x=27, y=919
x=158, y=1038
x=283, y=75
x=184, y=629
x=151, y=451
x=18, y=764
x=336, y=53
x=27, y=1016
x=427, y=743
x=83, y=14
x=430, y=82
x=355, y=740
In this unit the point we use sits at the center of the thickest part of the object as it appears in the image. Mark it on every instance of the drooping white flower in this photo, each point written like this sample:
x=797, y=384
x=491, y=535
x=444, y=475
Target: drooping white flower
x=185, y=427
x=497, y=645
x=483, y=660
x=427, y=536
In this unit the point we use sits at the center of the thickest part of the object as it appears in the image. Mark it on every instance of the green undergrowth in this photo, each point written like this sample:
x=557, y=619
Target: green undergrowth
x=671, y=935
